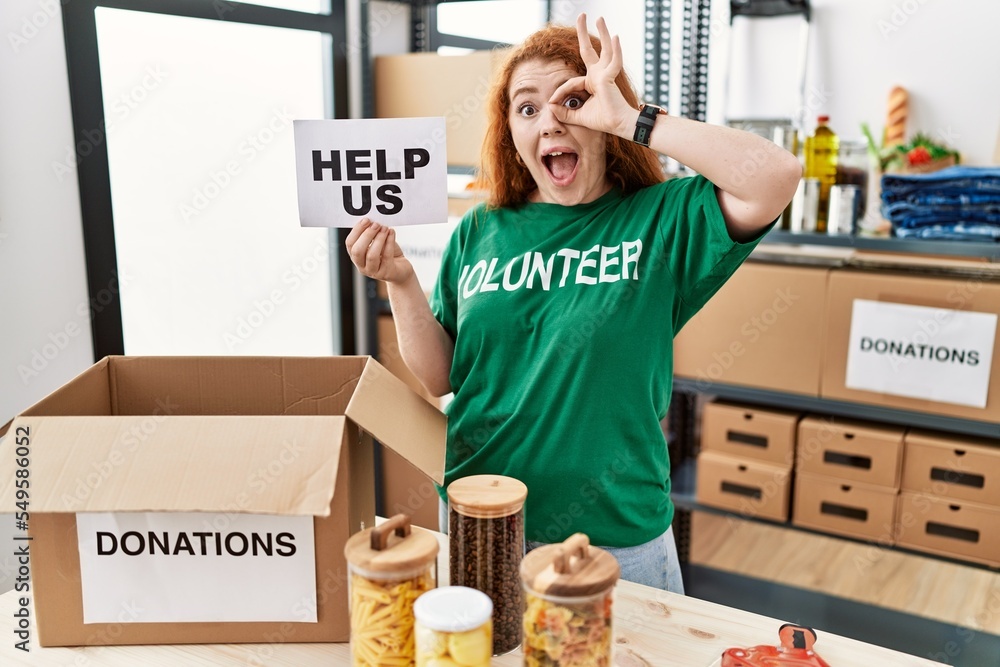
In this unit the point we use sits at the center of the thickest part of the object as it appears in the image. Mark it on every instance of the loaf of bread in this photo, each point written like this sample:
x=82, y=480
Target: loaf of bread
x=896, y=116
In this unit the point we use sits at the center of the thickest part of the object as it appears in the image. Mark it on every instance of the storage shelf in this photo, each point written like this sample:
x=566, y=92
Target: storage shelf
x=839, y=408
x=990, y=251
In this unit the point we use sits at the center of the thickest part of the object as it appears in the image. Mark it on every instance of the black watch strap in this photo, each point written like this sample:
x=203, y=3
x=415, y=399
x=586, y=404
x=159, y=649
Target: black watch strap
x=644, y=124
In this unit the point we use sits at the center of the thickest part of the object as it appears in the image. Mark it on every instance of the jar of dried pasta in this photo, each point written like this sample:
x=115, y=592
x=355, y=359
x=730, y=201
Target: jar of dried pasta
x=486, y=545
x=454, y=628
x=568, y=590
x=389, y=567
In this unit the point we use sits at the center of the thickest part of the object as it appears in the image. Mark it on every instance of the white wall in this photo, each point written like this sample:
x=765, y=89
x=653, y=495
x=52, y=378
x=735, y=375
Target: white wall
x=946, y=54
x=43, y=289
x=46, y=337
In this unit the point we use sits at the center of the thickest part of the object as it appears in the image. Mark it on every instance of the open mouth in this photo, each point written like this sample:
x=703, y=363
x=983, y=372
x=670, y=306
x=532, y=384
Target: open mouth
x=561, y=165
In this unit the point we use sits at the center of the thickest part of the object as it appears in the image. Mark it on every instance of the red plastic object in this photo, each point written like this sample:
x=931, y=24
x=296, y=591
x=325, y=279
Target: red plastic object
x=796, y=650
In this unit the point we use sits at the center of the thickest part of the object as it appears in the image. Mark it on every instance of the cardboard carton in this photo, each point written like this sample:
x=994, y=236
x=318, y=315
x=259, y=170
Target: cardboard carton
x=751, y=487
x=429, y=84
x=952, y=466
x=762, y=329
x=749, y=432
x=949, y=297
x=228, y=437
x=845, y=507
x=952, y=528
x=850, y=450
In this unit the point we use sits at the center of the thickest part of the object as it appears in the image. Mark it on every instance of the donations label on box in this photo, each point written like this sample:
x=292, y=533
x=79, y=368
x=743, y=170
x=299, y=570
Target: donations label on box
x=935, y=354
x=196, y=567
x=392, y=170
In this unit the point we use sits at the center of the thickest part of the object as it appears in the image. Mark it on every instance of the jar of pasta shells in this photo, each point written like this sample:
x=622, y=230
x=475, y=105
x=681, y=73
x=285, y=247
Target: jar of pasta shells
x=454, y=628
x=568, y=591
x=486, y=545
x=389, y=567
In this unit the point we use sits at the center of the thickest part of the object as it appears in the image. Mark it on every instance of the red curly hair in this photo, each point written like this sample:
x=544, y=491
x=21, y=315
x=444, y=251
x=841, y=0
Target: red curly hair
x=507, y=181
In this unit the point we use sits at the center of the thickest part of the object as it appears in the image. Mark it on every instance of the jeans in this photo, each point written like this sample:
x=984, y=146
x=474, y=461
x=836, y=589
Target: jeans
x=654, y=563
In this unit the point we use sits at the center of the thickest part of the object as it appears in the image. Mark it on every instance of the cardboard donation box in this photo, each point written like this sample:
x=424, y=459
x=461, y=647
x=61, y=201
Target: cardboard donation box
x=948, y=527
x=952, y=466
x=751, y=432
x=429, y=84
x=755, y=489
x=207, y=500
x=851, y=450
x=845, y=507
x=760, y=330
x=925, y=344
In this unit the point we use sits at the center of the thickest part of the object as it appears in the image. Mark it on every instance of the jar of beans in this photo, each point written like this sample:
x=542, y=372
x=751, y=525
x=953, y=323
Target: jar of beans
x=389, y=567
x=454, y=628
x=568, y=591
x=486, y=531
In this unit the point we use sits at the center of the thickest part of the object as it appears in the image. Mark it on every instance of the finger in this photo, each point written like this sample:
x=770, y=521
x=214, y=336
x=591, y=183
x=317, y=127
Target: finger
x=587, y=51
x=356, y=232
x=604, y=34
x=394, y=249
x=359, y=250
x=373, y=259
x=616, y=55
x=578, y=84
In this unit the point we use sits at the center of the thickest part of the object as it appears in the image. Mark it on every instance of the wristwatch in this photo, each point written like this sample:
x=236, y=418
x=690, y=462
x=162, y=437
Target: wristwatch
x=645, y=122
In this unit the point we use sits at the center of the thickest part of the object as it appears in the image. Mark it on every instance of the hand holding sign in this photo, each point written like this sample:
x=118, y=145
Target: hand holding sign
x=373, y=249
x=393, y=169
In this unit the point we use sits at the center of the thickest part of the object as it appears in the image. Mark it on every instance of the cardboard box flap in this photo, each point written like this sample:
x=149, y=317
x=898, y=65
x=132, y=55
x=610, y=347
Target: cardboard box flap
x=233, y=385
x=255, y=464
x=417, y=430
x=89, y=393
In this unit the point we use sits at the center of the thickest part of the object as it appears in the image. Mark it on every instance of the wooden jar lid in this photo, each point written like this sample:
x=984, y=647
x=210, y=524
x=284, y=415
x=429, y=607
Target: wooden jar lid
x=487, y=496
x=391, y=548
x=570, y=569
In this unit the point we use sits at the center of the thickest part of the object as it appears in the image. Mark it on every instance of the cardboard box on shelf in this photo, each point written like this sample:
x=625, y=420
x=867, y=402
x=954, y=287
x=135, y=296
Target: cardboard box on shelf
x=429, y=84
x=749, y=432
x=760, y=330
x=963, y=530
x=219, y=442
x=850, y=450
x=952, y=466
x=752, y=488
x=844, y=507
x=940, y=357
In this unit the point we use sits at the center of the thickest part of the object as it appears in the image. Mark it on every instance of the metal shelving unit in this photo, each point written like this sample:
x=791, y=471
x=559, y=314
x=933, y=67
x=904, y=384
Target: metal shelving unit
x=989, y=251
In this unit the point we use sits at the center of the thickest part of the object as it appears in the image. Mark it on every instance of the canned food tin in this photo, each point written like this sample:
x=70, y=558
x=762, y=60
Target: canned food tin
x=845, y=206
x=805, y=206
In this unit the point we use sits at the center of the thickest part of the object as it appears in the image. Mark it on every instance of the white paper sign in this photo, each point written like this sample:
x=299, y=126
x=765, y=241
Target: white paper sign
x=192, y=567
x=392, y=170
x=918, y=352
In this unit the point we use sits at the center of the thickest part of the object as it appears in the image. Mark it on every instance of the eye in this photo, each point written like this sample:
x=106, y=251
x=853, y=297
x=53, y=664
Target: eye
x=527, y=110
x=573, y=102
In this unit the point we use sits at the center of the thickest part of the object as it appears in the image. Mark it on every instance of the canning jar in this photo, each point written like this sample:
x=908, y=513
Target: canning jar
x=486, y=541
x=454, y=627
x=568, y=597
x=389, y=567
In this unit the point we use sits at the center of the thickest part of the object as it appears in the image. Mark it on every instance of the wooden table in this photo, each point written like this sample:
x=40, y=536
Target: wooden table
x=652, y=628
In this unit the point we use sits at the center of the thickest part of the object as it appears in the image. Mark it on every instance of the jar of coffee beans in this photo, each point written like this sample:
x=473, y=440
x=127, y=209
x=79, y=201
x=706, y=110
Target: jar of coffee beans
x=568, y=591
x=486, y=531
x=389, y=567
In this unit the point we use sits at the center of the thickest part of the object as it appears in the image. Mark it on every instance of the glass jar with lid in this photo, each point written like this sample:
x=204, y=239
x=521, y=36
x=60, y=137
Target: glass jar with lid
x=568, y=591
x=486, y=545
x=389, y=567
x=454, y=628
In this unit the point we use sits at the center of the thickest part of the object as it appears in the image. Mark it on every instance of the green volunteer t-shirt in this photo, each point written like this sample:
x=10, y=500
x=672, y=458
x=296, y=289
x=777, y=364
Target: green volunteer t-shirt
x=563, y=319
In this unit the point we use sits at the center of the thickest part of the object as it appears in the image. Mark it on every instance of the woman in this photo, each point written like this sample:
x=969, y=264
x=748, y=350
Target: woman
x=554, y=315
